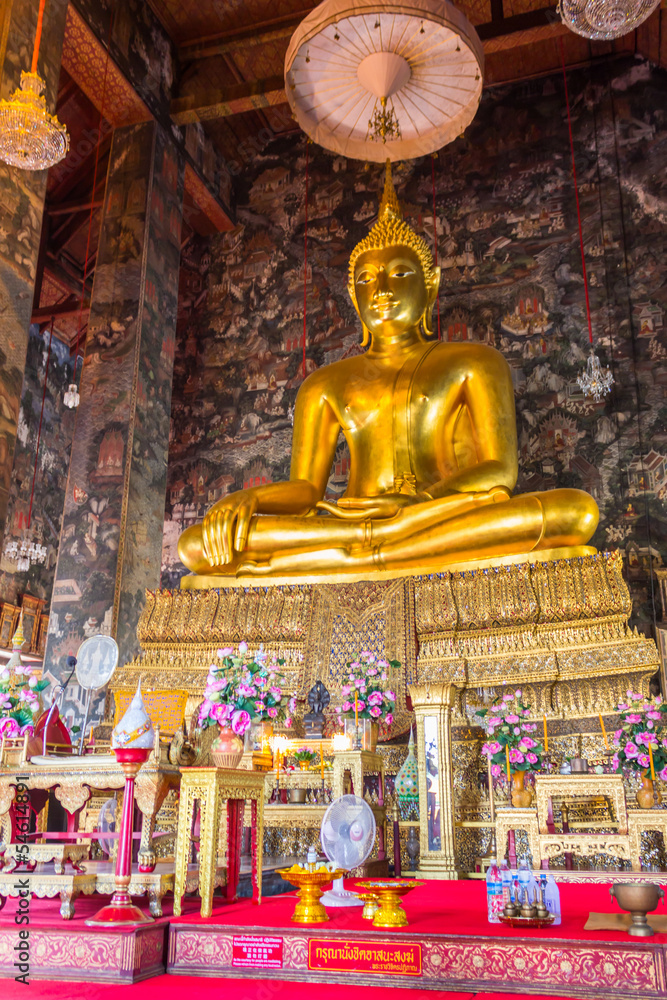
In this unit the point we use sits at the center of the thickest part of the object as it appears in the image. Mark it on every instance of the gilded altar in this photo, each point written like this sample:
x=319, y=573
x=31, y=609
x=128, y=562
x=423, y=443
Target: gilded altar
x=557, y=627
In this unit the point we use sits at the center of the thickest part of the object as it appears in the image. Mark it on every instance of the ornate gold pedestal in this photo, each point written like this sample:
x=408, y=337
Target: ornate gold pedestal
x=556, y=626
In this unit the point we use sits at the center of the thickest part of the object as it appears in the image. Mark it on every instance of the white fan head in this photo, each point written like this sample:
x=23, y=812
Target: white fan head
x=348, y=831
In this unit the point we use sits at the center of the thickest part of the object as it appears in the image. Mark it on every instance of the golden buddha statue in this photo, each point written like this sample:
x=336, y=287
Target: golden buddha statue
x=433, y=451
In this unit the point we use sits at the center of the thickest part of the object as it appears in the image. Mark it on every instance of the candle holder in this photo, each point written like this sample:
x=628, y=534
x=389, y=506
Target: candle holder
x=121, y=911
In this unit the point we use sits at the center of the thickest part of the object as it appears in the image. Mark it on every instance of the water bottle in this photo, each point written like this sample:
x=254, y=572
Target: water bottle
x=526, y=881
x=552, y=899
x=506, y=880
x=494, y=893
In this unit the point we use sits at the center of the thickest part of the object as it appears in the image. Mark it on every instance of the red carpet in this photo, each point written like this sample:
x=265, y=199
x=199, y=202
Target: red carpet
x=436, y=907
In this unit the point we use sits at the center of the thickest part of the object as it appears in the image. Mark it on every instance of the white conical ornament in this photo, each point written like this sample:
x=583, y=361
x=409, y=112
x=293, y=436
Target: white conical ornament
x=18, y=642
x=135, y=730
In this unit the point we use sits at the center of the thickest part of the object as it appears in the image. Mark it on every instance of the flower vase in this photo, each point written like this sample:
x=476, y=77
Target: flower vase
x=226, y=749
x=521, y=796
x=645, y=795
x=304, y=765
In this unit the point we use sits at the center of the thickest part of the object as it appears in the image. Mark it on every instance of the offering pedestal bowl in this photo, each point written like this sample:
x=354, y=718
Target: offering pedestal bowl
x=638, y=898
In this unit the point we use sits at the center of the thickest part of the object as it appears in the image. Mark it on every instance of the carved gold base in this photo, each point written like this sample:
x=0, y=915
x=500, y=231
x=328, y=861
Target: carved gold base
x=555, y=622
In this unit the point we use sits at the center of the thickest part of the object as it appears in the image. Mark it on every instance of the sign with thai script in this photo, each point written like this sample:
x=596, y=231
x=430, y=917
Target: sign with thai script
x=389, y=958
x=255, y=951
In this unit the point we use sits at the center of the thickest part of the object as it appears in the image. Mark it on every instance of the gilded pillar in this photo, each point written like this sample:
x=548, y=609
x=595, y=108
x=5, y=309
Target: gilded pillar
x=111, y=540
x=21, y=209
x=433, y=704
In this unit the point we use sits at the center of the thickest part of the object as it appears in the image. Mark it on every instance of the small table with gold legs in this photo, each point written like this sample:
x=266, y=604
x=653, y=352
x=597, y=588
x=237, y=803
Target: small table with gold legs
x=211, y=786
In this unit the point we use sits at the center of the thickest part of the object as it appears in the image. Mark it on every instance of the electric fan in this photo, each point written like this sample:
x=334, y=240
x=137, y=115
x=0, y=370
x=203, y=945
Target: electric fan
x=347, y=835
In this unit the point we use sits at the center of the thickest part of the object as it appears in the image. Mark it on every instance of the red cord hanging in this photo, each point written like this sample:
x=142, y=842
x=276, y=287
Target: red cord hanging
x=435, y=235
x=39, y=431
x=38, y=36
x=576, y=195
x=305, y=265
x=92, y=196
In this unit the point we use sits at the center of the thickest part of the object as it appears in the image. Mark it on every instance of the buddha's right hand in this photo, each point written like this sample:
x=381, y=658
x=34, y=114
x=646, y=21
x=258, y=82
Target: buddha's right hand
x=225, y=527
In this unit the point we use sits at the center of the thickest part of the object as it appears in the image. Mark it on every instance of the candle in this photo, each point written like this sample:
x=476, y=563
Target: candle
x=356, y=710
x=278, y=768
x=604, y=731
x=546, y=738
x=650, y=757
x=507, y=755
x=322, y=761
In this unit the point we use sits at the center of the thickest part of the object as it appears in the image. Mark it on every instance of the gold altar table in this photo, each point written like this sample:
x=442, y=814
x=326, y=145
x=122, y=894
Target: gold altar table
x=211, y=786
x=73, y=780
x=546, y=844
x=60, y=853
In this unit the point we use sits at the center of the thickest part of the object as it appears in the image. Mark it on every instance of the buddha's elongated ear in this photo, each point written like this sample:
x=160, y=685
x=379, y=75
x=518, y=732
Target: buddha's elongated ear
x=432, y=286
x=366, y=333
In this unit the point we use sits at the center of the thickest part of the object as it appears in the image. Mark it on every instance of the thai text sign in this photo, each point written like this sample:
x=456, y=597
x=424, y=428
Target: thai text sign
x=390, y=958
x=255, y=951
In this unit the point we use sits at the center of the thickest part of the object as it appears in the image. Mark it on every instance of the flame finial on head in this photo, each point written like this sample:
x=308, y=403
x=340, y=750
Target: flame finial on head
x=390, y=207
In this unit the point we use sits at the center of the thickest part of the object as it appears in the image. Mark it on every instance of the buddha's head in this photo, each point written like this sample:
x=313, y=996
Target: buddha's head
x=392, y=281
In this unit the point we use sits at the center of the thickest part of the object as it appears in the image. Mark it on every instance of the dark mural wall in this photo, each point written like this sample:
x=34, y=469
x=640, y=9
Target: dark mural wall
x=52, y=464
x=512, y=277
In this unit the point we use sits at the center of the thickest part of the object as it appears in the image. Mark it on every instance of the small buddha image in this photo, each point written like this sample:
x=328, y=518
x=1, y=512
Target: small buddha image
x=431, y=432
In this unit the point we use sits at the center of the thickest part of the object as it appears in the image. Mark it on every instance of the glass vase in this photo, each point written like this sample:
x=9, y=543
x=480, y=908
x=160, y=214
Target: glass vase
x=364, y=736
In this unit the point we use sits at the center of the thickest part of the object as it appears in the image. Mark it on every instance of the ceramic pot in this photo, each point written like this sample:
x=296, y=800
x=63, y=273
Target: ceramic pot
x=645, y=795
x=226, y=749
x=638, y=898
x=521, y=796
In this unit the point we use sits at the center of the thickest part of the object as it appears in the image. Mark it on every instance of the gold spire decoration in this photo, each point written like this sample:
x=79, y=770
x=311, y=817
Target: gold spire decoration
x=391, y=230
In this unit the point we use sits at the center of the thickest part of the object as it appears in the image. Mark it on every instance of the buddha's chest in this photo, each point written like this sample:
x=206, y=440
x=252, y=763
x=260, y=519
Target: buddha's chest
x=397, y=402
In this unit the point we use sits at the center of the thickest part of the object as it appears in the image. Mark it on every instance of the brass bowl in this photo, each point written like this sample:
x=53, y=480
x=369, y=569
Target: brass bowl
x=638, y=898
x=390, y=912
x=309, y=909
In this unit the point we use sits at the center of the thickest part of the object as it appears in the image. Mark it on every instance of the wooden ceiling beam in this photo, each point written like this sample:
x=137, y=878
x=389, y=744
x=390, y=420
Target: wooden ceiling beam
x=206, y=105
x=233, y=100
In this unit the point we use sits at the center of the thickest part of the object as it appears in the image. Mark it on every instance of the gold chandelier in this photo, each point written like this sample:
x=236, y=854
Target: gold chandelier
x=31, y=138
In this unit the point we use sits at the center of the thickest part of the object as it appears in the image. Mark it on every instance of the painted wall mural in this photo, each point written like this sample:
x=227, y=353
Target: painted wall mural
x=52, y=465
x=114, y=507
x=506, y=228
x=21, y=205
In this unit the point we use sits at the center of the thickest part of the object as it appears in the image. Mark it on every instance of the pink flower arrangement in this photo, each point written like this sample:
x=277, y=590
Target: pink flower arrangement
x=367, y=677
x=643, y=724
x=242, y=688
x=505, y=724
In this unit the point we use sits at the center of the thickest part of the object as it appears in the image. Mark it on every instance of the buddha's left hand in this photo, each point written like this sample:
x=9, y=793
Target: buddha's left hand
x=361, y=508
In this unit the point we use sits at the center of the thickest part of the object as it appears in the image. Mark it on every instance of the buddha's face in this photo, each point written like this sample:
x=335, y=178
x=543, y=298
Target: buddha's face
x=391, y=292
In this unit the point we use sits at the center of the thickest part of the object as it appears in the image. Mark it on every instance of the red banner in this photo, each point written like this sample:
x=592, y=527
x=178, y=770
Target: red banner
x=255, y=951
x=389, y=958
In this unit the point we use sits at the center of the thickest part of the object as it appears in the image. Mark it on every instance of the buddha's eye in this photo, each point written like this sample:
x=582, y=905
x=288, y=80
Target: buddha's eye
x=364, y=278
x=401, y=272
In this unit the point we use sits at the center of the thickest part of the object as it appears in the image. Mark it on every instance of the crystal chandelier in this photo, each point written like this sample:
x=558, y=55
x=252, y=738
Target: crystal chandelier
x=71, y=399
x=604, y=19
x=383, y=123
x=25, y=553
x=31, y=138
x=595, y=381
